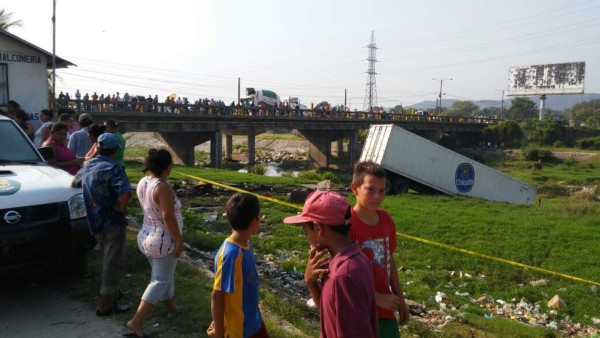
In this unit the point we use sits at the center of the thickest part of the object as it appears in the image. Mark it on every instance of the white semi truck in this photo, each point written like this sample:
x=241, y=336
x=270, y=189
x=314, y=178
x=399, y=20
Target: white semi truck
x=414, y=162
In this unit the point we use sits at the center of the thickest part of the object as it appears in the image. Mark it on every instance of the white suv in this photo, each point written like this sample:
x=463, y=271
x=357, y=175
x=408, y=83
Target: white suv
x=42, y=218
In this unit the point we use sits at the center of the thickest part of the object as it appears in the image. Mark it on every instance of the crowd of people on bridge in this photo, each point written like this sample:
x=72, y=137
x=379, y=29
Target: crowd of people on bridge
x=174, y=104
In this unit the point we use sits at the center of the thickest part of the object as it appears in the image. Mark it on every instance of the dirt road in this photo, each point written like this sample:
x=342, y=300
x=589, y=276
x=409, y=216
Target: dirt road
x=31, y=309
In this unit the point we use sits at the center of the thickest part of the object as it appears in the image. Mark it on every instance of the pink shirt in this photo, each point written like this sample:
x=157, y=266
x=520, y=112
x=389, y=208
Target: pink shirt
x=63, y=154
x=348, y=307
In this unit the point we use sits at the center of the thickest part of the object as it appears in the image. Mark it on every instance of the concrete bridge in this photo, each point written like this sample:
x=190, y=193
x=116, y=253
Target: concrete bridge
x=183, y=127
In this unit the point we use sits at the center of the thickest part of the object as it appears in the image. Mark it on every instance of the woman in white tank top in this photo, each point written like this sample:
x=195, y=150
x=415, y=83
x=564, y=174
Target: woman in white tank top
x=160, y=237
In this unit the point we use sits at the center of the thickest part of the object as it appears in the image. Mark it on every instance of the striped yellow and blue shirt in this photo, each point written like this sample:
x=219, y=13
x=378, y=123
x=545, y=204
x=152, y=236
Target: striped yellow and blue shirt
x=236, y=275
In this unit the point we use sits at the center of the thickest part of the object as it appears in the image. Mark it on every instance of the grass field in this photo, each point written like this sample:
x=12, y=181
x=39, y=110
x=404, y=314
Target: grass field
x=561, y=235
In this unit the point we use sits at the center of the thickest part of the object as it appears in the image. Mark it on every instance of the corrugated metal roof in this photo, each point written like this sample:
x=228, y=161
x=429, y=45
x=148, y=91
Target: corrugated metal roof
x=60, y=62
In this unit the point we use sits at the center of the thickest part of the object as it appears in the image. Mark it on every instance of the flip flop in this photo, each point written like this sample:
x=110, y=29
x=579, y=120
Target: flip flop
x=115, y=309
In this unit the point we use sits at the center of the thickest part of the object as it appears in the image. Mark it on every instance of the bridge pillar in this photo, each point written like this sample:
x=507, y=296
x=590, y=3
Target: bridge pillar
x=216, y=149
x=340, y=147
x=319, y=146
x=353, y=147
x=251, y=149
x=228, y=147
x=182, y=144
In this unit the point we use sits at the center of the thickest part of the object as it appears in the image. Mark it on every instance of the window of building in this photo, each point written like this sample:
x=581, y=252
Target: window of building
x=3, y=84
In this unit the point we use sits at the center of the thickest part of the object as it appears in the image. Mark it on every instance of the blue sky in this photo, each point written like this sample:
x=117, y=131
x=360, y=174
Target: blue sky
x=310, y=49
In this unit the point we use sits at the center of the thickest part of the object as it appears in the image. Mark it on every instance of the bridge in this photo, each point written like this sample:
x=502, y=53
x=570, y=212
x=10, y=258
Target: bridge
x=182, y=127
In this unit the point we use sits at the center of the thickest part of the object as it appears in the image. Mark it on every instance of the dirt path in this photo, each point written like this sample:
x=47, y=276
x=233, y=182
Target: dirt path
x=35, y=310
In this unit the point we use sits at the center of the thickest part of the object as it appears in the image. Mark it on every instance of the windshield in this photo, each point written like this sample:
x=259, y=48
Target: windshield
x=14, y=145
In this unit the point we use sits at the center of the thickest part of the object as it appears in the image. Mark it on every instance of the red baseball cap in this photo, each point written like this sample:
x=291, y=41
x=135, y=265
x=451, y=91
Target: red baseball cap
x=323, y=206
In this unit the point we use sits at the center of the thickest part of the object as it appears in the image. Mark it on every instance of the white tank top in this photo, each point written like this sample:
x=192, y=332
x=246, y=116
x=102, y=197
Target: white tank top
x=154, y=239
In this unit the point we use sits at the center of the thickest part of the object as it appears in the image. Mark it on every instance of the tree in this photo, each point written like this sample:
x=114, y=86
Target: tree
x=522, y=108
x=5, y=20
x=586, y=112
x=399, y=109
x=462, y=109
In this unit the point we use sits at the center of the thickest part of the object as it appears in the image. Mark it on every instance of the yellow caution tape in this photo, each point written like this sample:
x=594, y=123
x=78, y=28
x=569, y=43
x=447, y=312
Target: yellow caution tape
x=414, y=238
x=291, y=205
x=497, y=259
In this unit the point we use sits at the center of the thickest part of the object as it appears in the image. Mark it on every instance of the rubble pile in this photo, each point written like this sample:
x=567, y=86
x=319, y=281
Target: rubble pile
x=520, y=310
x=279, y=156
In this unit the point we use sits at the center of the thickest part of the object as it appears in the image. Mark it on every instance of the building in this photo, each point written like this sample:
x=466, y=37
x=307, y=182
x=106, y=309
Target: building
x=24, y=74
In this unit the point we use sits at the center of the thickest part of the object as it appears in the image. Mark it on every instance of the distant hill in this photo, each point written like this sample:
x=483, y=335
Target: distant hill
x=554, y=102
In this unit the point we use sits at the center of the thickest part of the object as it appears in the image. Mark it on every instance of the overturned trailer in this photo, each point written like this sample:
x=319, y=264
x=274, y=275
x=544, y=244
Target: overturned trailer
x=417, y=163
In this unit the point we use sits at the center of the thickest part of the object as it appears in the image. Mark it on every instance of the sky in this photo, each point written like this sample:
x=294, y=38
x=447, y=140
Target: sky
x=315, y=50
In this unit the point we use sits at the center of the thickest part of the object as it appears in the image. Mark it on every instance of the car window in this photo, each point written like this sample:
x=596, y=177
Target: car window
x=14, y=145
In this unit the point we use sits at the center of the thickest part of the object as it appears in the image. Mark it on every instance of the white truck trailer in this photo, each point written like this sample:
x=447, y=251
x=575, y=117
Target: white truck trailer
x=414, y=162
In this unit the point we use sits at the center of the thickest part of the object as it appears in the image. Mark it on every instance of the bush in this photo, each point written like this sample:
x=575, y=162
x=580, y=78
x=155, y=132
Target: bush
x=311, y=175
x=535, y=153
x=589, y=143
x=559, y=144
x=258, y=169
x=328, y=175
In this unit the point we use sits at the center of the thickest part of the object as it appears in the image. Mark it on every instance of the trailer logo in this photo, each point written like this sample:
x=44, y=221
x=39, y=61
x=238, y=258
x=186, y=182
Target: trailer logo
x=465, y=177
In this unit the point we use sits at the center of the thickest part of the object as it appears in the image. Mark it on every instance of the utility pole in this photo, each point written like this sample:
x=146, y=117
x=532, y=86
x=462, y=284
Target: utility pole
x=53, y=54
x=238, y=90
x=440, y=97
x=345, y=98
x=502, y=109
x=371, y=90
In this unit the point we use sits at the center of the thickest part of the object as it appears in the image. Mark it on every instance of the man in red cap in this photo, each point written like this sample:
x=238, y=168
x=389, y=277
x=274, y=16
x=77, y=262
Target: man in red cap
x=342, y=285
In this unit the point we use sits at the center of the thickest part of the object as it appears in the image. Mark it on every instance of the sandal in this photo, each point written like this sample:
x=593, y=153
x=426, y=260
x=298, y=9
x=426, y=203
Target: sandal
x=115, y=309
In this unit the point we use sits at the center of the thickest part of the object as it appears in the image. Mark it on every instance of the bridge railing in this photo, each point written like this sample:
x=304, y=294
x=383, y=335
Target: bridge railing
x=145, y=107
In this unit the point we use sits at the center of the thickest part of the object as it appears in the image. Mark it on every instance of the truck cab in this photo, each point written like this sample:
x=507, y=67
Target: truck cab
x=42, y=218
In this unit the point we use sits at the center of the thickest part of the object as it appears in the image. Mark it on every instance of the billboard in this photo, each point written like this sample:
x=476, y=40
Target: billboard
x=557, y=78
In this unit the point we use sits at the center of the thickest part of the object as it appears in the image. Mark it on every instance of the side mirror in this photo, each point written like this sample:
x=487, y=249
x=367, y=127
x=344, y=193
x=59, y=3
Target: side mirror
x=47, y=153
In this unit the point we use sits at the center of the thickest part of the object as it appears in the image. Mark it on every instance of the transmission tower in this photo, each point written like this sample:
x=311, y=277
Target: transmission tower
x=371, y=91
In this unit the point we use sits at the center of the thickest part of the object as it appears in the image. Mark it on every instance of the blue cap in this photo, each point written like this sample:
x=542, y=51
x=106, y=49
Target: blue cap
x=108, y=141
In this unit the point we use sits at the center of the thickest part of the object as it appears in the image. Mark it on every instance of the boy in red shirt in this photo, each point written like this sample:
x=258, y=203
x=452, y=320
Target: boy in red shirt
x=341, y=286
x=375, y=232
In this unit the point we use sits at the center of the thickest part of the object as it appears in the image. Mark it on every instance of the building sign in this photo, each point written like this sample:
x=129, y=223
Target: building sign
x=15, y=57
x=558, y=78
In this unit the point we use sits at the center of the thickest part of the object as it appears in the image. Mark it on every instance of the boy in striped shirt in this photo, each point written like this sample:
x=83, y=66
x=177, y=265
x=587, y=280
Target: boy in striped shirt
x=234, y=302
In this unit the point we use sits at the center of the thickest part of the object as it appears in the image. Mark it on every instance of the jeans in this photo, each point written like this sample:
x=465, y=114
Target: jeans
x=162, y=279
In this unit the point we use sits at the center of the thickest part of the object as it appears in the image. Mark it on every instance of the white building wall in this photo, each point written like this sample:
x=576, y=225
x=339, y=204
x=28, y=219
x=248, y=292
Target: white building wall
x=27, y=77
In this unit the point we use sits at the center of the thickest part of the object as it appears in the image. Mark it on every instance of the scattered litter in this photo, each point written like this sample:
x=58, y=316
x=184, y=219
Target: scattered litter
x=556, y=302
x=156, y=325
x=487, y=316
x=439, y=297
x=310, y=303
x=210, y=217
x=462, y=294
x=539, y=282
x=500, y=301
x=128, y=275
x=468, y=275
x=596, y=321
x=553, y=325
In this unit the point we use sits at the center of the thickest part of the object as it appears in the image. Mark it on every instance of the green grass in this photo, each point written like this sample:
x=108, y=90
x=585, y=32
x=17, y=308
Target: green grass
x=560, y=235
